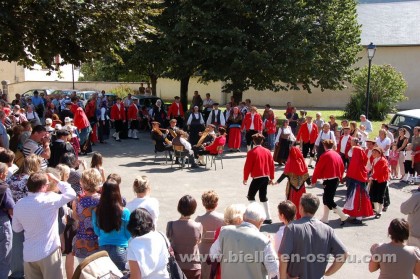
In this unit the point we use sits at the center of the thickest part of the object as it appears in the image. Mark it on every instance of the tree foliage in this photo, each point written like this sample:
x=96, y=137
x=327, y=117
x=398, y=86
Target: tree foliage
x=387, y=89
x=77, y=30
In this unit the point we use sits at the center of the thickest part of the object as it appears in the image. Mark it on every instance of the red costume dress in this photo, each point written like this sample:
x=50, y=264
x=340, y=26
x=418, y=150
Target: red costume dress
x=357, y=202
x=297, y=173
x=308, y=138
x=380, y=177
x=234, y=123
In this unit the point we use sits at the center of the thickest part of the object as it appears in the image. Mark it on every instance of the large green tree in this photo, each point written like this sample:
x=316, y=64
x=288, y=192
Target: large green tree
x=78, y=30
x=265, y=44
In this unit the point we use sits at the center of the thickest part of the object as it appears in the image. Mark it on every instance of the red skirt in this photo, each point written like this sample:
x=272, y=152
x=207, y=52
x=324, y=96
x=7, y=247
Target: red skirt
x=358, y=203
x=234, y=141
x=295, y=195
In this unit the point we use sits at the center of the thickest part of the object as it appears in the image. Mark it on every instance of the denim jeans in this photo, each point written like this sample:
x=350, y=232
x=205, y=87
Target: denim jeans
x=6, y=236
x=270, y=140
x=84, y=135
x=117, y=254
x=17, y=256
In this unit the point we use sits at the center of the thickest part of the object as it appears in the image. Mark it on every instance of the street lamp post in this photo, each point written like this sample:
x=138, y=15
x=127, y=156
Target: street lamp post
x=371, y=53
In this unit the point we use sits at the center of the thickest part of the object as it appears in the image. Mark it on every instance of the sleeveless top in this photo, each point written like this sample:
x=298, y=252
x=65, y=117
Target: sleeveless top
x=400, y=142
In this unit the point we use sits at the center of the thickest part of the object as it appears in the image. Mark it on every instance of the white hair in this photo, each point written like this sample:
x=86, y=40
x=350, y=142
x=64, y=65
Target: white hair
x=254, y=212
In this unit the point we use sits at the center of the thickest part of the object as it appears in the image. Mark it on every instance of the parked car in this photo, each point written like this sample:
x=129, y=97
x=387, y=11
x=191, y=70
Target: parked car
x=86, y=95
x=30, y=93
x=147, y=100
x=65, y=92
x=407, y=119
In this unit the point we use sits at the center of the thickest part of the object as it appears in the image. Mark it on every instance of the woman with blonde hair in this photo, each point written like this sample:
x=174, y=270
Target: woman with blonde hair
x=142, y=188
x=234, y=215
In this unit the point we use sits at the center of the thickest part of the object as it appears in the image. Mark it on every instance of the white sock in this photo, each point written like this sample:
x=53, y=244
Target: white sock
x=310, y=161
x=267, y=210
x=130, y=132
x=324, y=218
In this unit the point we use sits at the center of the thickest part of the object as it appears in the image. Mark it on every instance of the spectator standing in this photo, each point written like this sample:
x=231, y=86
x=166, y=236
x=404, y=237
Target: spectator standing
x=401, y=141
x=185, y=235
x=59, y=147
x=4, y=137
x=406, y=259
x=415, y=141
x=293, y=120
x=37, y=216
x=287, y=213
x=211, y=222
x=252, y=124
x=6, y=211
x=142, y=188
x=364, y=121
x=247, y=240
x=319, y=121
x=110, y=221
x=147, y=252
x=197, y=101
x=411, y=207
x=309, y=236
x=207, y=106
x=39, y=144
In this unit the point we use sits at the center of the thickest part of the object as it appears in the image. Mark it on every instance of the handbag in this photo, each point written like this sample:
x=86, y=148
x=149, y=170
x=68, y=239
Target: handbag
x=174, y=270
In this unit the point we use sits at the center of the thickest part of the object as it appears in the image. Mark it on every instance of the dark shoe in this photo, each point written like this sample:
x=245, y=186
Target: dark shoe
x=354, y=221
x=310, y=166
x=177, y=161
x=378, y=215
x=267, y=222
x=103, y=142
x=118, y=140
x=385, y=208
x=194, y=166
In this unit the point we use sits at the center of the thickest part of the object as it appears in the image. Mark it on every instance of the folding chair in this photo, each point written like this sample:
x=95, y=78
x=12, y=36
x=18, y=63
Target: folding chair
x=213, y=157
x=182, y=154
x=165, y=153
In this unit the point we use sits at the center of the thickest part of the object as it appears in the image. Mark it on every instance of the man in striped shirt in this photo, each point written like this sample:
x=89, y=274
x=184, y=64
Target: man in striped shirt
x=39, y=144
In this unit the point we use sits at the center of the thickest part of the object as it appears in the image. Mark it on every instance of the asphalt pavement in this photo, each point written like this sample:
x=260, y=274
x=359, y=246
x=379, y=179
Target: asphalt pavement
x=130, y=158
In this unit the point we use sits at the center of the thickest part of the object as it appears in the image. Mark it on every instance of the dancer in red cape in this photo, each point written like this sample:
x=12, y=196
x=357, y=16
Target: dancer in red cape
x=297, y=173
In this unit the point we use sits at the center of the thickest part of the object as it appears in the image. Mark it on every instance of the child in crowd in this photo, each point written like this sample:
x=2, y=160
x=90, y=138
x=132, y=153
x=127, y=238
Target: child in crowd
x=408, y=164
x=393, y=161
x=96, y=163
x=363, y=136
x=27, y=131
x=287, y=213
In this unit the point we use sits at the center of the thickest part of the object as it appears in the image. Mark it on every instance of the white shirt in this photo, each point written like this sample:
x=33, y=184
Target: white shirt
x=37, y=215
x=216, y=113
x=383, y=144
x=344, y=144
x=197, y=116
x=285, y=131
x=209, y=103
x=148, y=203
x=151, y=254
x=252, y=121
x=309, y=127
x=12, y=171
x=278, y=237
x=325, y=136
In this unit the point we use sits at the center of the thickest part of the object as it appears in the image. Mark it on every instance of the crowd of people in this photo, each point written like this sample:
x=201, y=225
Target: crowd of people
x=53, y=203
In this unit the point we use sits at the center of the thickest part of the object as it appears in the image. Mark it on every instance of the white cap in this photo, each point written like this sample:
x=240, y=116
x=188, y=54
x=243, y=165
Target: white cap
x=48, y=121
x=67, y=120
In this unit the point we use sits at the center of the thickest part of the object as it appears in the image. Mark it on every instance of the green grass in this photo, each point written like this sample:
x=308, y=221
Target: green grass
x=339, y=115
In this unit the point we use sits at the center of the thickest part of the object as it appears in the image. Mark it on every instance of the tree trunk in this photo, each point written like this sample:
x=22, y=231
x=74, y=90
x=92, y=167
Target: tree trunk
x=184, y=92
x=153, y=81
x=237, y=96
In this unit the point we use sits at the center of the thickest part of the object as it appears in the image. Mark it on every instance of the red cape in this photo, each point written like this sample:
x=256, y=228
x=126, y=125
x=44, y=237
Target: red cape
x=295, y=162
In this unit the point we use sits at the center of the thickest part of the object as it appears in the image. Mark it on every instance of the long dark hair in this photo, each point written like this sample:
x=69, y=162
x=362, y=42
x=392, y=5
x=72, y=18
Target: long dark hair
x=109, y=209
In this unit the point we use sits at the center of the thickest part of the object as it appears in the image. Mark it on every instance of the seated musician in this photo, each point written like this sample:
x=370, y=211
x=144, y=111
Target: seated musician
x=172, y=129
x=211, y=148
x=162, y=143
x=180, y=140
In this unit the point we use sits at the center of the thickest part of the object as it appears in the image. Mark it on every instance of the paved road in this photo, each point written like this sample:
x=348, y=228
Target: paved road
x=130, y=158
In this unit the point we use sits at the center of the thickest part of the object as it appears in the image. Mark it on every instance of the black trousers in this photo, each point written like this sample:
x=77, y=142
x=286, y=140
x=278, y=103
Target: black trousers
x=308, y=147
x=408, y=167
x=258, y=185
x=345, y=160
x=248, y=137
x=377, y=192
x=330, y=187
x=119, y=126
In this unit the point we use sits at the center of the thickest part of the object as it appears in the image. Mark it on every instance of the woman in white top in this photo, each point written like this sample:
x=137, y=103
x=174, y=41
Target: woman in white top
x=383, y=142
x=324, y=134
x=141, y=187
x=147, y=252
x=283, y=142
